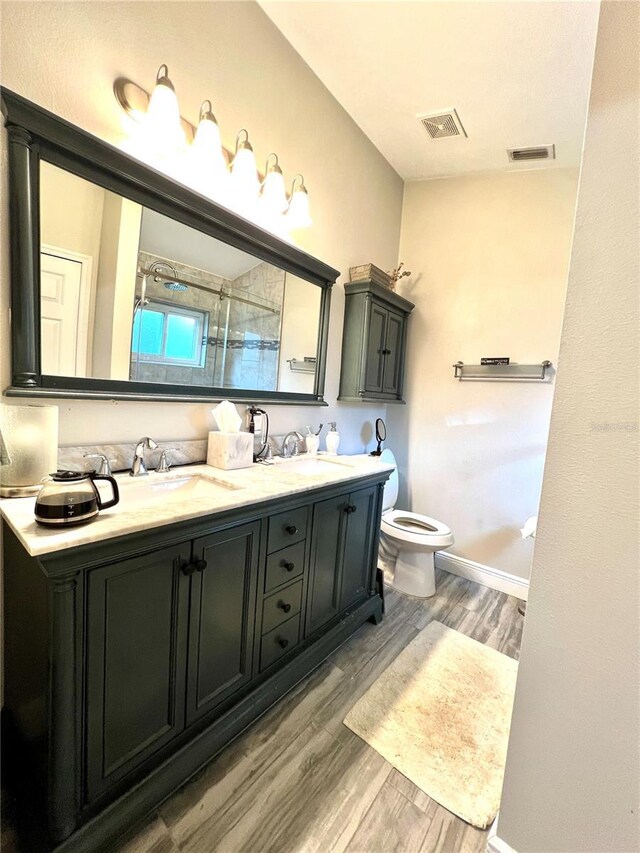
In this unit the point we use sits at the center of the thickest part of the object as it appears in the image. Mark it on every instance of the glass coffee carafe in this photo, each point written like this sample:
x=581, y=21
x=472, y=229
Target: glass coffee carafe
x=71, y=497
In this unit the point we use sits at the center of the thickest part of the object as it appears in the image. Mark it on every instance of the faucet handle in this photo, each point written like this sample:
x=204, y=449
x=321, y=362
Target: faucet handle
x=163, y=466
x=104, y=468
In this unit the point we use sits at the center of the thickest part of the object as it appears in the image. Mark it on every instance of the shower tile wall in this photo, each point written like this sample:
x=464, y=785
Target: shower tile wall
x=254, y=333
x=250, y=358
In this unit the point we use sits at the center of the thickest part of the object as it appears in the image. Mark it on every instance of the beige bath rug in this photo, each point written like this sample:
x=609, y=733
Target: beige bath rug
x=440, y=714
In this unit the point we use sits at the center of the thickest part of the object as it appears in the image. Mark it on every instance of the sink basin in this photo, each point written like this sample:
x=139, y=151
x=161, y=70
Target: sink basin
x=169, y=488
x=311, y=465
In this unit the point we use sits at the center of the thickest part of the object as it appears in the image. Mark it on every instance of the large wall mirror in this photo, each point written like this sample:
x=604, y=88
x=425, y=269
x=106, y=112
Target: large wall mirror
x=145, y=290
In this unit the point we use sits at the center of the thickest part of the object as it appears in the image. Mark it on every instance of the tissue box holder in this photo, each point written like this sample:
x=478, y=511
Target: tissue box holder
x=229, y=450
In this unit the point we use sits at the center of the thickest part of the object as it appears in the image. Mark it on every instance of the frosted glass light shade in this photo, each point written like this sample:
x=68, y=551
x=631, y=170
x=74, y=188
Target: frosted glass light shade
x=298, y=215
x=28, y=447
x=244, y=174
x=209, y=172
x=274, y=195
x=163, y=115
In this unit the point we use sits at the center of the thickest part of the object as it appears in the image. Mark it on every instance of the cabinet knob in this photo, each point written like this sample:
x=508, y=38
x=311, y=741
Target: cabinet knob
x=288, y=566
x=283, y=643
x=201, y=565
x=291, y=529
x=386, y=352
x=188, y=569
x=350, y=508
x=284, y=606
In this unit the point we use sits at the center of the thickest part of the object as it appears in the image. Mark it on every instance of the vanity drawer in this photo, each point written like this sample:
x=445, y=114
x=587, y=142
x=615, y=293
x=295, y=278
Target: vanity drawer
x=284, y=566
x=288, y=527
x=281, y=606
x=278, y=642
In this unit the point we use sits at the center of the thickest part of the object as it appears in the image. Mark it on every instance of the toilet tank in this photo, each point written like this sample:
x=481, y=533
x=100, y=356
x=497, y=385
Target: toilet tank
x=390, y=495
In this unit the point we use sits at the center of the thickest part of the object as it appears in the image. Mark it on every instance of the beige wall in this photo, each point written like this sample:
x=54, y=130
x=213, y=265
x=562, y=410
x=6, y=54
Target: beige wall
x=573, y=767
x=116, y=287
x=489, y=257
x=65, y=56
x=299, y=334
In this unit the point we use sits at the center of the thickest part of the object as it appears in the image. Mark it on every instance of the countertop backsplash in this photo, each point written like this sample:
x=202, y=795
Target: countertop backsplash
x=120, y=456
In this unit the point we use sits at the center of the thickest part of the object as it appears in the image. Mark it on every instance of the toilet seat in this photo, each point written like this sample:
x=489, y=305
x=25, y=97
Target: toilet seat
x=416, y=528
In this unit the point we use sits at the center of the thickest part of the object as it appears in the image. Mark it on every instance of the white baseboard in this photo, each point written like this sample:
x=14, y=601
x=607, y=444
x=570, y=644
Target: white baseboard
x=485, y=575
x=496, y=845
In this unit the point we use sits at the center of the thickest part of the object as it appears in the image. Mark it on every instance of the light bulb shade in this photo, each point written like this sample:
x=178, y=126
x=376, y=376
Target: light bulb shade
x=163, y=113
x=274, y=194
x=244, y=173
x=209, y=173
x=298, y=215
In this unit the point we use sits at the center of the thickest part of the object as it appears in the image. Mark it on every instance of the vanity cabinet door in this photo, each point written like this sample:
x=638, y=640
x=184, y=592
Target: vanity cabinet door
x=358, y=541
x=136, y=659
x=222, y=616
x=324, y=566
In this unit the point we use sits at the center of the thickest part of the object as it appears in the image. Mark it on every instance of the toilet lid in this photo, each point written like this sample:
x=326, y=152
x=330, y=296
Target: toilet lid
x=415, y=523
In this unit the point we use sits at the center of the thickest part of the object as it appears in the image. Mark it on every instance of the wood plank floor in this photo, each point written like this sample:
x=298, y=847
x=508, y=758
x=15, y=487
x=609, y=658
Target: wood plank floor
x=299, y=781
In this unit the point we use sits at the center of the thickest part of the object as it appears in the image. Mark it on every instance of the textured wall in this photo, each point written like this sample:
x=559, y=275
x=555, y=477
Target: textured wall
x=489, y=256
x=573, y=767
x=65, y=57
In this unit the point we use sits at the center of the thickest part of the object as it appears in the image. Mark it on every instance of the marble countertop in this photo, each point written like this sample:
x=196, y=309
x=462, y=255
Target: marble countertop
x=160, y=499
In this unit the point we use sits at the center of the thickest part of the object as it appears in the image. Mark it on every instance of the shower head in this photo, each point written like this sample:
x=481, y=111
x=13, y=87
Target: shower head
x=162, y=267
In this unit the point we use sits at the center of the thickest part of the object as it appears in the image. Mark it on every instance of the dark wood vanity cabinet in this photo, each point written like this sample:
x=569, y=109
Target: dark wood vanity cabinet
x=373, y=343
x=221, y=616
x=131, y=662
x=340, y=554
x=136, y=623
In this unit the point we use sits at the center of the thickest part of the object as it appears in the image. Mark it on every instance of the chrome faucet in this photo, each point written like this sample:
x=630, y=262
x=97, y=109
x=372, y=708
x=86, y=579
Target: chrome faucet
x=287, y=450
x=138, y=468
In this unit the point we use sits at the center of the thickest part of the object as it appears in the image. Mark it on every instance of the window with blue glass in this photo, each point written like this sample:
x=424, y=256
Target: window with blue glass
x=170, y=334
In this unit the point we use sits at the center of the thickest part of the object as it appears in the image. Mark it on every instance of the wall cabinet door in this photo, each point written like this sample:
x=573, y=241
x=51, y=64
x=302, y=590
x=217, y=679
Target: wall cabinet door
x=324, y=563
x=374, y=360
x=136, y=659
x=222, y=615
x=393, y=354
x=358, y=541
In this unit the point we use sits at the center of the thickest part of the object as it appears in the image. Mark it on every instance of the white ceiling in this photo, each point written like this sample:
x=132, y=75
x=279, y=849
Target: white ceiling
x=168, y=238
x=517, y=72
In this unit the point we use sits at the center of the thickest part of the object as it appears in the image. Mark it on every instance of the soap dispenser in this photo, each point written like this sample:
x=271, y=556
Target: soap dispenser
x=333, y=440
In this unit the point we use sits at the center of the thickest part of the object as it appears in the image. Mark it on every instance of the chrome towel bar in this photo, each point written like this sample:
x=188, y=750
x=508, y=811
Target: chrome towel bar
x=502, y=372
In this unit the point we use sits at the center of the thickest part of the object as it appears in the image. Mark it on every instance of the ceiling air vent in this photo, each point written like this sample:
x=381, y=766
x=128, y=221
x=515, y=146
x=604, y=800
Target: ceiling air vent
x=442, y=124
x=536, y=152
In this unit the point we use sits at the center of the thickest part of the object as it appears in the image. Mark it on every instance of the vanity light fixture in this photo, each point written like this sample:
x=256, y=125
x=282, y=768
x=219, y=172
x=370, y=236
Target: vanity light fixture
x=298, y=215
x=159, y=136
x=273, y=194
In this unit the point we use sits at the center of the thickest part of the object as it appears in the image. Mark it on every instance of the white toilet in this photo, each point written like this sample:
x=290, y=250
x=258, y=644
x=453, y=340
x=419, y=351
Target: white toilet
x=408, y=542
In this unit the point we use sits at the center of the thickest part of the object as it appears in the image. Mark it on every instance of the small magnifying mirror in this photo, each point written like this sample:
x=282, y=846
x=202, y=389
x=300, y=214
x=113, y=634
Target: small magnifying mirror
x=381, y=434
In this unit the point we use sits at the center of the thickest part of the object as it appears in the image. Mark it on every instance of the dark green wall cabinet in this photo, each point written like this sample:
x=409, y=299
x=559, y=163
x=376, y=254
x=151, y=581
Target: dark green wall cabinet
x=131, y=662
x=373, y=343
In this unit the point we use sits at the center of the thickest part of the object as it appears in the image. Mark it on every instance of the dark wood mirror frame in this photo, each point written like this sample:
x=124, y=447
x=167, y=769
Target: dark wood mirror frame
x=34, y=134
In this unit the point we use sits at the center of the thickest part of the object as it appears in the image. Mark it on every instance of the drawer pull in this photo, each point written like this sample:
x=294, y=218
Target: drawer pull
x=283, y=606
x=291, y=529
x=283, y=643
x=289, y=566
x=201, y=565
